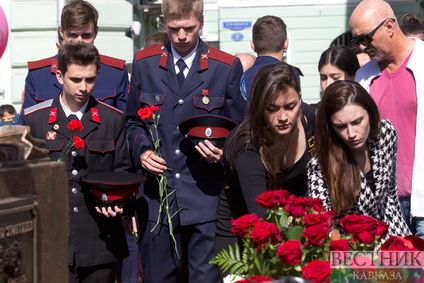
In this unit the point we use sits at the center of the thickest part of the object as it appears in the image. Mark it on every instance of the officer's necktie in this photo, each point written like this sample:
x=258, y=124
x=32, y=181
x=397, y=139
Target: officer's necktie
x=73, y=117
x=180, y=76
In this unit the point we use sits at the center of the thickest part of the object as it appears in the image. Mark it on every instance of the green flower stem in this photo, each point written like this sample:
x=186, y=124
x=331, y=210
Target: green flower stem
x=162, y=183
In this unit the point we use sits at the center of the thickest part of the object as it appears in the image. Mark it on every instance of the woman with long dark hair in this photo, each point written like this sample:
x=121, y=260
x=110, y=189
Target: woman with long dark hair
x=337, y=63
x=354, y=170
x=268, y=150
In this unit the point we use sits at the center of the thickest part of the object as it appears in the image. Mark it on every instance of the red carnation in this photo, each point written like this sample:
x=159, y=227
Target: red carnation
x=290, y=253
x=241, y=225
x=154, y=108
x=317, y=271
x=317, y=235
x=339, y=245
x=256, y=279
x=296, y=206
x=79, y=143
x=263, y=232
x=75, y=125
x=273, y=199
x=145, y=113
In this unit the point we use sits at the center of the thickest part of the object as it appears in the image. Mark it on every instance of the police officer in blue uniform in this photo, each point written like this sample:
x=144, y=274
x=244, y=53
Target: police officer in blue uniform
x=78, y=23
x=8, y=115
x=206, y=82
x=269, y=41
x=96, y=237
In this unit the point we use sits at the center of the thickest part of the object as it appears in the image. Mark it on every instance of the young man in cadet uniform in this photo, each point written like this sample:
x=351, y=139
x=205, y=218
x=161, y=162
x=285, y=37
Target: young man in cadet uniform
x=205, y=82
x=96, y=237
x=78, y=23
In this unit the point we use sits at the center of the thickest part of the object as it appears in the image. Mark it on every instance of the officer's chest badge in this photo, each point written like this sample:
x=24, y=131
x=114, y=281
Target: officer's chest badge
x=51, y=135
x=205, y=98
x=157, y=98
x=56, y=127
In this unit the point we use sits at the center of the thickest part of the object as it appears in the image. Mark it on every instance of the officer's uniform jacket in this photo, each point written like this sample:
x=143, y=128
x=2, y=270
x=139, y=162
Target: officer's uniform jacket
x=214, y=74
x=111, y=87
x=93, y=239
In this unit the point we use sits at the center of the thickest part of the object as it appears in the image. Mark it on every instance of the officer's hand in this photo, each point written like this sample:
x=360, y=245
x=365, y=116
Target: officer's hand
x=130, y=224
x=109, y=212
x=152, y=163
x=211, y=153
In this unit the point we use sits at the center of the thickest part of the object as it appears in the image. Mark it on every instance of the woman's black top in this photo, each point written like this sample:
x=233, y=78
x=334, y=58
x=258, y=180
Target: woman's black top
x=248, y=180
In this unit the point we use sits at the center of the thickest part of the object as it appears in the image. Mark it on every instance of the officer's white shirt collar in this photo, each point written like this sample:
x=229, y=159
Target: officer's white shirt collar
x=68, y=112
x=187, y=59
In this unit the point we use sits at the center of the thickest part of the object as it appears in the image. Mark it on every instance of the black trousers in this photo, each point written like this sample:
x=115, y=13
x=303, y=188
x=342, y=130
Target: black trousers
x=104, y=273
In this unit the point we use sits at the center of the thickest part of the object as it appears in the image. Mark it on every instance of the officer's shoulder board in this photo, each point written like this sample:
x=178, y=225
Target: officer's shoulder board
x=221, y=56
x=149, y=52
x=39, y=106
x=113, y=62
x=32, y=65
x=111, y=107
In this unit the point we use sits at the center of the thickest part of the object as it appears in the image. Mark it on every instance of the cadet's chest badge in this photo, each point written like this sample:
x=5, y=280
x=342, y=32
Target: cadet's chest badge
x=205, y=98
x=51, y=135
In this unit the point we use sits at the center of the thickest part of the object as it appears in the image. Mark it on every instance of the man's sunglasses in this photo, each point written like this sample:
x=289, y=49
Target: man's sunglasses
x=367, y=38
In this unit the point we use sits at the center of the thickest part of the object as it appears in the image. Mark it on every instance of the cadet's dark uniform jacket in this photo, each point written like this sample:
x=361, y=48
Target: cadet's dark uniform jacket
x=214, y=73
x=111, y=86
x=93, y=239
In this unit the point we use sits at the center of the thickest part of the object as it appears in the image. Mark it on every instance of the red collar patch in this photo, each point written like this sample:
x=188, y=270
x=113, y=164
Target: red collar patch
x=95, y=115
x=163, y=58
x=54, y=66
x=204, y=61
x=53, y=115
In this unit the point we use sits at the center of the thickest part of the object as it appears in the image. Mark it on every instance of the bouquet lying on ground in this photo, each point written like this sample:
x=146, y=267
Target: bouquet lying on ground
x=293, y=239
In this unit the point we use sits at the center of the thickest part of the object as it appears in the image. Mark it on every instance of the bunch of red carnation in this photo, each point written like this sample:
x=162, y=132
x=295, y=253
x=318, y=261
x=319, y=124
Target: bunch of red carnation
x=293, y=238
x=73, y=125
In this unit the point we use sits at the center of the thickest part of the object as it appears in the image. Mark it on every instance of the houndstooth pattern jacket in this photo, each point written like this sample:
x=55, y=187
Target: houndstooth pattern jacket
x=382, y=205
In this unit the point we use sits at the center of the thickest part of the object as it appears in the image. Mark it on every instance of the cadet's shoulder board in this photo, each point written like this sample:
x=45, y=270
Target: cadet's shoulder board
x=149, y=52
x=113, y=62
x=221, y=56
x=40, y=63
x=298, y=69
x=111, y=107
x=39, y=106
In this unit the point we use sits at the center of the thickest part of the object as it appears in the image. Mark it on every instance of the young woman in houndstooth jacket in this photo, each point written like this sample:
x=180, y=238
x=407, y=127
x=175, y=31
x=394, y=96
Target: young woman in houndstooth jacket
x=354, y=170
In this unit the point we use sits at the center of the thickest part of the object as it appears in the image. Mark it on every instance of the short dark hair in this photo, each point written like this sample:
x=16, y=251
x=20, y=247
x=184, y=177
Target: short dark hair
x=80, y=53
x=182, y=8
x=78, y=13
x=269, y=34
x=412, y=25
x=159, y=37
x=7, y=108
x=342, y=57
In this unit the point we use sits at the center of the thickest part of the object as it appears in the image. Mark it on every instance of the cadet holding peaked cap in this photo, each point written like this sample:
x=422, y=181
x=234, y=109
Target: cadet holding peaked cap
x=113, y=188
